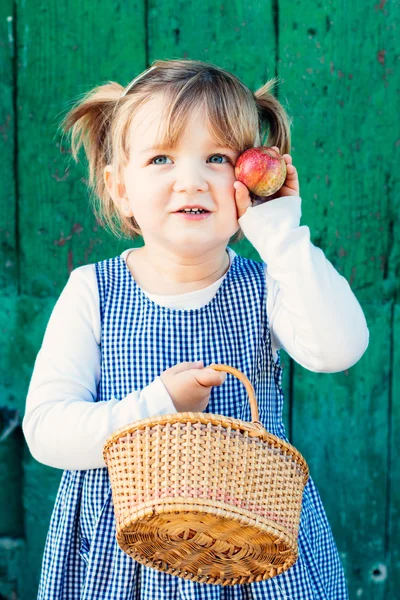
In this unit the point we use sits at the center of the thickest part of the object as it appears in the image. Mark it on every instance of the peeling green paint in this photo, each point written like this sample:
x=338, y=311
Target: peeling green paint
x=337, y=65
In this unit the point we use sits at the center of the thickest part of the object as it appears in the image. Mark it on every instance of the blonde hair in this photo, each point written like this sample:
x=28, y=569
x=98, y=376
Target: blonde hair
x=100, y=121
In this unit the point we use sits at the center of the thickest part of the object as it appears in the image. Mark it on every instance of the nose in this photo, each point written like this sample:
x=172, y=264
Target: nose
x=190, y=179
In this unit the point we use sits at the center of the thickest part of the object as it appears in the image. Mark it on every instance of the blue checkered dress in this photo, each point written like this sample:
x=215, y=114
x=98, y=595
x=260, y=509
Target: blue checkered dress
x=140, y=339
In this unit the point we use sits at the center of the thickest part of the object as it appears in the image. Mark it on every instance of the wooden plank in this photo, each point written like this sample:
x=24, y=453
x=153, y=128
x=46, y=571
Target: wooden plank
x=64, y=51
x=340, y=424
x=23, y=322
x=11, y=448
x=8, y=208
x=393, y=532
x=40, y=488
x=99, y=42
x=12, y=562
x=230, y=34
x=338, y=63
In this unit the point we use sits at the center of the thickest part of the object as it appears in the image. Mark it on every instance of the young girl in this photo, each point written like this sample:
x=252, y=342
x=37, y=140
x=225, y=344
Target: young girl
x=131, y=336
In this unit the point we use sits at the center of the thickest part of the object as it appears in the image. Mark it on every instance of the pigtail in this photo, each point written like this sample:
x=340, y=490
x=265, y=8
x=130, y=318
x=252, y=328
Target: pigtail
x=89, y=124
x=272, y=111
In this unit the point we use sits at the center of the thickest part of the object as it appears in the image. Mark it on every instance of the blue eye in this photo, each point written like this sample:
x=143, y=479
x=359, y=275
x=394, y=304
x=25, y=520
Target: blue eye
x=157, y=157
x=220, y=156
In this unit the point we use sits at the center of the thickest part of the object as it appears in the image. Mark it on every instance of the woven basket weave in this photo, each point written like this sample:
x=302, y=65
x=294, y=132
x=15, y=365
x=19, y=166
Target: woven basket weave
x=205, y=497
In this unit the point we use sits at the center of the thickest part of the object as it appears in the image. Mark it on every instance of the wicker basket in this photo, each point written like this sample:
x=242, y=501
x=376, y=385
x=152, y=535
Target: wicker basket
x=206, y=497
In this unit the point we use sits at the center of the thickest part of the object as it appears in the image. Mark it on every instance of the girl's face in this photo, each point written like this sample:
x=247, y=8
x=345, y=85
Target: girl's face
x=197, y=173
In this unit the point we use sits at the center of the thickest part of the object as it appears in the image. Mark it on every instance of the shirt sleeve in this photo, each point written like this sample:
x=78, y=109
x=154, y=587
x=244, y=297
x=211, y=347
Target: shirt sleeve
x=64, y=426
x=313, y=314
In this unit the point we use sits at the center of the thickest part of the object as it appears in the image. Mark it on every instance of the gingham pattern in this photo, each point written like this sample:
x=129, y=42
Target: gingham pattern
x=140, y=339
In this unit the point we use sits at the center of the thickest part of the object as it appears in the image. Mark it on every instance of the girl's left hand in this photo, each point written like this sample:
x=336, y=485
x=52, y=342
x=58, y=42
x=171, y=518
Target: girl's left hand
x=290, y=187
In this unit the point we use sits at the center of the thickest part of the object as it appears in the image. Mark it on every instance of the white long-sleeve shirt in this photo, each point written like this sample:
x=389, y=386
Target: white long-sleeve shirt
x=313, y=315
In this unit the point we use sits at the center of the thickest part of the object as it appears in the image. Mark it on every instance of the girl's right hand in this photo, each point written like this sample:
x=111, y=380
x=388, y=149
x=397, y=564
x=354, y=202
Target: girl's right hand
x=189, y=385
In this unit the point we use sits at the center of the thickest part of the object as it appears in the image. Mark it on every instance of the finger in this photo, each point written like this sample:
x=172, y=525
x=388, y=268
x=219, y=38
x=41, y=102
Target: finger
x=209, y=377
x=186, y=366
x=288, y=159
x=291, y=172
x=242, y=198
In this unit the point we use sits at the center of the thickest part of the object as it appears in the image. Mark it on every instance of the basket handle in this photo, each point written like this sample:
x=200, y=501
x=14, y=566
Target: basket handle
x=246, y=383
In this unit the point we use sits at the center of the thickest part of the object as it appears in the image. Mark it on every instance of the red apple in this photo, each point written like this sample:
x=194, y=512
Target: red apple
x=262, y=170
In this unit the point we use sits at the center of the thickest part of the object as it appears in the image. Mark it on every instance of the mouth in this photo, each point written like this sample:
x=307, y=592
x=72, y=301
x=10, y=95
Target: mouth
x=193, y=216
x=193, y=213
x=193, y=209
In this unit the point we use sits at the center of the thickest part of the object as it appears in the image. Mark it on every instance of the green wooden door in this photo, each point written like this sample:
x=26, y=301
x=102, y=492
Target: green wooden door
x=337, y=63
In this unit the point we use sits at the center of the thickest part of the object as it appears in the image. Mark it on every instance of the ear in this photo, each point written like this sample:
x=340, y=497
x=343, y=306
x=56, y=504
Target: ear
x=118, y=194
